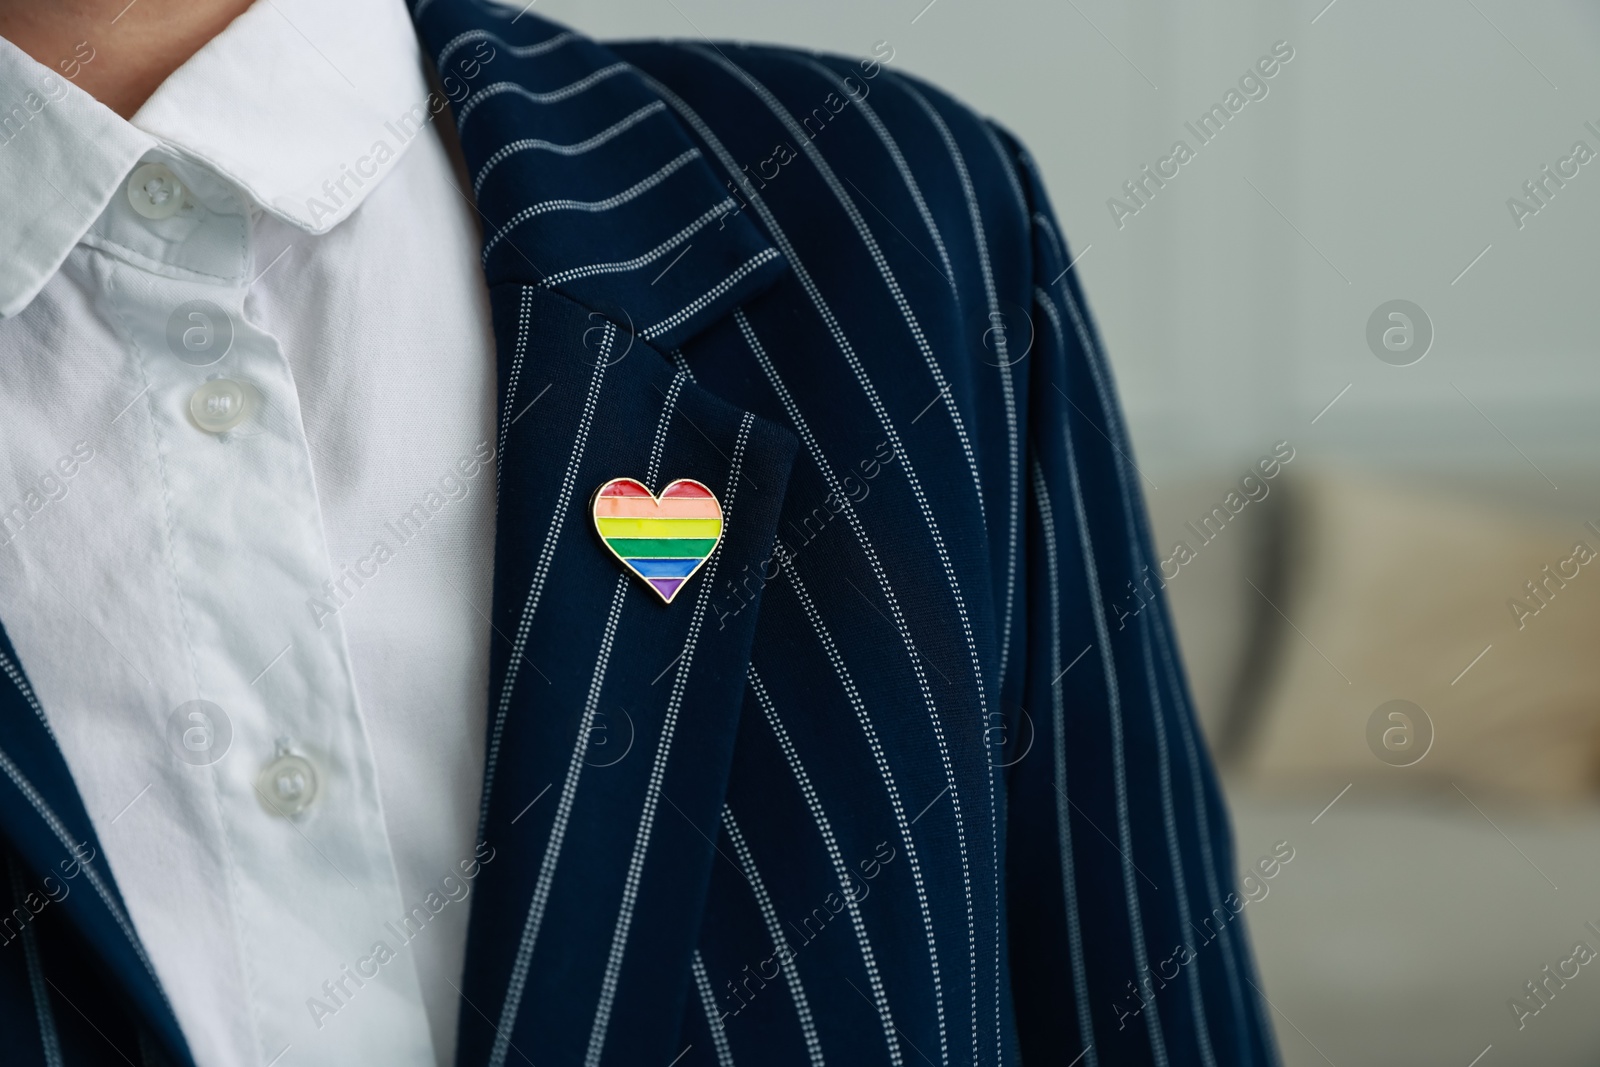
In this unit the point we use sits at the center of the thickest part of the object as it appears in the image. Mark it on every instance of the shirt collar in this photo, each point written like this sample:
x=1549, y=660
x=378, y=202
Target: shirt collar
x=304, y=105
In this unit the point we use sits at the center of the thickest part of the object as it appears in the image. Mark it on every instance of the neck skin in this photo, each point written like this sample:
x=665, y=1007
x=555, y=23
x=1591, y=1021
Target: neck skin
x=135, y=46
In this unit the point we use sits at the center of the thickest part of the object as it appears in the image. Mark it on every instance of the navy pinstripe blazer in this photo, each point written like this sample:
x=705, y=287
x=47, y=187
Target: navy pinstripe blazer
x=891, y=781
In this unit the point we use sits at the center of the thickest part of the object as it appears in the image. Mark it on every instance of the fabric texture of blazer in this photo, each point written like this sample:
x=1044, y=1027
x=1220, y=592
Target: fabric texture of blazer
x=907, y=773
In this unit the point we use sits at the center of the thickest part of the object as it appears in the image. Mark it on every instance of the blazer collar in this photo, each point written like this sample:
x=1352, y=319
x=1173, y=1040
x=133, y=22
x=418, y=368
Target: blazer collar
x=586, y=183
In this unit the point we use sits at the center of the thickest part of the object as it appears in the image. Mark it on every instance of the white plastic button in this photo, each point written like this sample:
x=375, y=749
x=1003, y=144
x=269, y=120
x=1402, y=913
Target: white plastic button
x=288, y=783
x=218, y=405
x=155, y=192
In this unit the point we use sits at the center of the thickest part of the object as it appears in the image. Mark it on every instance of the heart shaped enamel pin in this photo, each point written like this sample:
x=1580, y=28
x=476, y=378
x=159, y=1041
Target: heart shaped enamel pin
x=664, y=539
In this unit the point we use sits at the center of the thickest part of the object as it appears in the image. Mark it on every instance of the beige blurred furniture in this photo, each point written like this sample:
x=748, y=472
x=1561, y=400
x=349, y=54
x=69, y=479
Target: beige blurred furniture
x=1426, y=896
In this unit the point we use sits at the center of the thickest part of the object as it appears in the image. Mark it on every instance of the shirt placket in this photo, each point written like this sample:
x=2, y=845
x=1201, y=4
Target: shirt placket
x=270, y=725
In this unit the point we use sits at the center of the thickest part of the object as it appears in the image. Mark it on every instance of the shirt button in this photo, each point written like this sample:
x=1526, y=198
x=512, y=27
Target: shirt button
x=288, y=783
x=155, y=192
x=218, y=405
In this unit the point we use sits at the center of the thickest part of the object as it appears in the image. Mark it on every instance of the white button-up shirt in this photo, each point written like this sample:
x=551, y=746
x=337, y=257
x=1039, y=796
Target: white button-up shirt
x=246, y=517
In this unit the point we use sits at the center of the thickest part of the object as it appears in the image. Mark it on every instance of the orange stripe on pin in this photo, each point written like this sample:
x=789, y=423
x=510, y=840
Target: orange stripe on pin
x=663, y=540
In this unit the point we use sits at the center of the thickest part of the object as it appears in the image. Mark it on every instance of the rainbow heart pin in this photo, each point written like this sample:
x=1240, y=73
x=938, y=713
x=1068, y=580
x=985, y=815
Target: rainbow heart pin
x=664, y=539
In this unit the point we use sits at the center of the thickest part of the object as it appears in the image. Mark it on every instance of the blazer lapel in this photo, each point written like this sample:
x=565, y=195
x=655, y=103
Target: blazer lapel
x=585, y=183
x=48, y=830
x=608, y=242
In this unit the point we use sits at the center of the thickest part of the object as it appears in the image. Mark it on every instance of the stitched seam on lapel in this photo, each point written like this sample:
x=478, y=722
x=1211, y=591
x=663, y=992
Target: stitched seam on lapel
x=542, y=570
x=653, y=789
x=534, y=922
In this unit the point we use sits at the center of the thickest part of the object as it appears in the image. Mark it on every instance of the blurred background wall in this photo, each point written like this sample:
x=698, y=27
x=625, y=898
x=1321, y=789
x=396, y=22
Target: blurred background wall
x=1445, y=857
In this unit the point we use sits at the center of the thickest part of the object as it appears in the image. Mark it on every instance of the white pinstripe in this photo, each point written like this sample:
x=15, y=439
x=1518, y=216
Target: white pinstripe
x=1120, y=440
x=514, y=376
x=809, y=440
x=708, y=1001
x=659, y=444
x=981, y=241
x=1006, y=168
x=641, y=842
x=1014, y=486
x=59, y=829
x=554, y=96
x=521, y=51
x=545, y=207
x=705, y=299
x=541, y=569
x=900, y=165
x=1170, y=819
x=49, y=1040
x=1119, y=775
x=772, y=103
x=624, y=265
x=1069, y=884
x=804, y=277
x=20, y=680
x=534, y=144
x=534, y=922
x=1196, y=774
x=874, y=979
x=517, y=981
x=831, y=649
x=769, y=915
x=1208, y=858
x=1136, y=554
